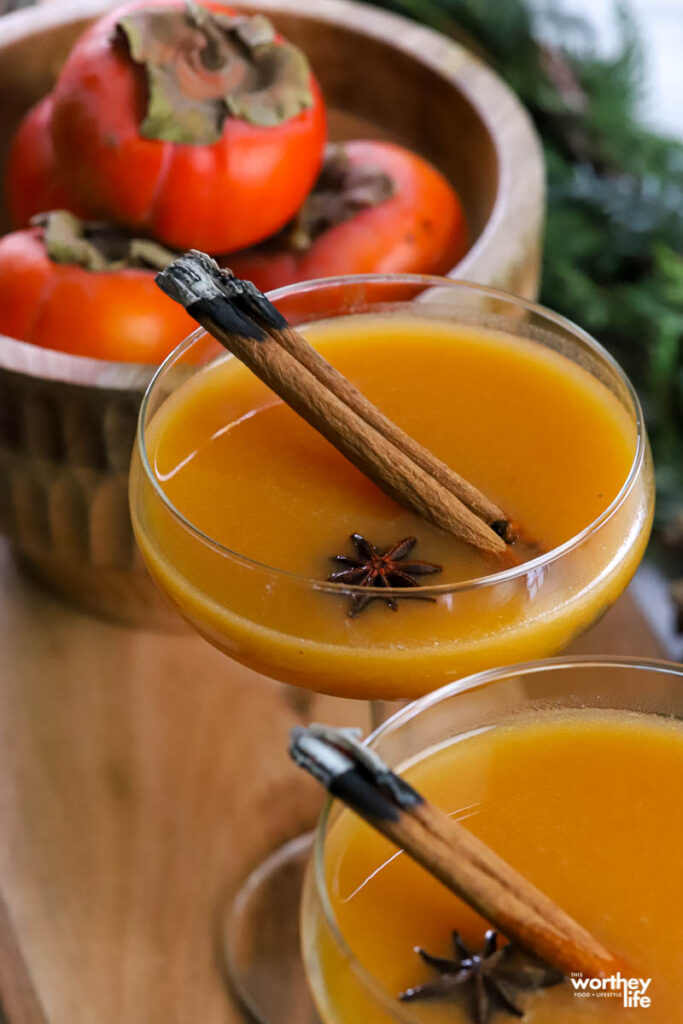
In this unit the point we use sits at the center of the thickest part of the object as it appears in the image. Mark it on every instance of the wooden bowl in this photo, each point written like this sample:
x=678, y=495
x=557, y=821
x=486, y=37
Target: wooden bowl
x=67, y=423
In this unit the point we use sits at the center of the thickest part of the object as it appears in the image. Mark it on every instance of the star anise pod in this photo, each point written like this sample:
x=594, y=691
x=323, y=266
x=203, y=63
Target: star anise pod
x=492, y=978
x=373, y=568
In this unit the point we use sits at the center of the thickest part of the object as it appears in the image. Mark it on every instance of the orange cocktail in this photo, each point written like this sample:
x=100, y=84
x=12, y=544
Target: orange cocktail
x=571, y=772
x=238, y=505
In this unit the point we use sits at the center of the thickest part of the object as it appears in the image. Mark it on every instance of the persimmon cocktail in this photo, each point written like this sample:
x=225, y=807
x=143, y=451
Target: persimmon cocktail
x=242, y=505
x=585, y=804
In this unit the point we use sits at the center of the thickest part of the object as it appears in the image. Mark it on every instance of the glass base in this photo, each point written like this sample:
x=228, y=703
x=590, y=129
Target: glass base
x=261, y=939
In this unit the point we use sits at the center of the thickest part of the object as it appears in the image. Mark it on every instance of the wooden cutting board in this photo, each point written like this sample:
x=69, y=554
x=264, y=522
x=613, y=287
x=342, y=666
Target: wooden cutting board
x=141, y=776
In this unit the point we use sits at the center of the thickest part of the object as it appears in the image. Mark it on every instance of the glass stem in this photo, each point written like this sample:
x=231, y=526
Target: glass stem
x=379, y=712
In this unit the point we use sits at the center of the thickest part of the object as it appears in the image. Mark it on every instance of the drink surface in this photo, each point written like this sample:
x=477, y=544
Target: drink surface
x=585, y=804
x=533, y=430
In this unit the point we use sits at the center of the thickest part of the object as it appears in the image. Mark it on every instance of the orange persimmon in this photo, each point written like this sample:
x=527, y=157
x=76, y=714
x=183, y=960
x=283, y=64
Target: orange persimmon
x=190, y=123
x=376, y=208
x=76, y=289
x=34, y=182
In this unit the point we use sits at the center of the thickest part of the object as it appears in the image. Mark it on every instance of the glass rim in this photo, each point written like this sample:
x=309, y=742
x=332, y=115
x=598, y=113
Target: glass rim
x=479, y=680
x=434, y=589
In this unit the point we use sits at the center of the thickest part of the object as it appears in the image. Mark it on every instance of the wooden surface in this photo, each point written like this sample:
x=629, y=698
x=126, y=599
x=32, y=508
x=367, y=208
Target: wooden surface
x=141, y=776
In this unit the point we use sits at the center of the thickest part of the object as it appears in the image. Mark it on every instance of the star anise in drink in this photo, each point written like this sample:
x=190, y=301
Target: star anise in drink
x=492, y=978
x=373, y=568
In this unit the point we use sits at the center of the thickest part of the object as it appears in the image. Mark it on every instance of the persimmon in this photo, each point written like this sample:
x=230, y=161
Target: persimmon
x=189, y=122
x=376, y=208
x=87, y=290
x=34, y=182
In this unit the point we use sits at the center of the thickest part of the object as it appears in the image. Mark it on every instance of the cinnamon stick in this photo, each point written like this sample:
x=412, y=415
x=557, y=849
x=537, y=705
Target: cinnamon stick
x=340, y=386
x=249, y=326
x=445, y=848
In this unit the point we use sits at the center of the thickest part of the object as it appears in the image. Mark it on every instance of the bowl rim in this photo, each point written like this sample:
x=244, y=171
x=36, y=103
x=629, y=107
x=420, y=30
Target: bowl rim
x=519, y=199
x=25, y=359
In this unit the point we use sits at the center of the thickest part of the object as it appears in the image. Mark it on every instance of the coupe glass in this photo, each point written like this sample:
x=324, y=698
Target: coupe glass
x=276, y=626
x=339, y=982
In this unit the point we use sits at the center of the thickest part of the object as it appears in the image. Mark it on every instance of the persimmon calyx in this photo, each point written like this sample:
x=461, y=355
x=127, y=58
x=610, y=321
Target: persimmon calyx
x=342, y=190
x=97, y=246
x=203, y=67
